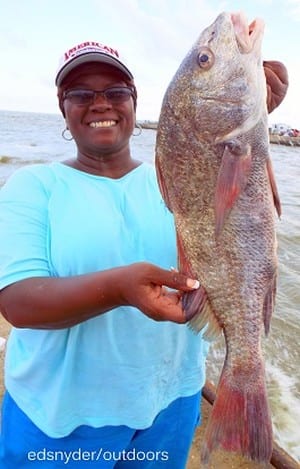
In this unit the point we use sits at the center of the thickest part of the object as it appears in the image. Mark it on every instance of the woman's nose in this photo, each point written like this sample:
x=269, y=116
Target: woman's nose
x=101, y=100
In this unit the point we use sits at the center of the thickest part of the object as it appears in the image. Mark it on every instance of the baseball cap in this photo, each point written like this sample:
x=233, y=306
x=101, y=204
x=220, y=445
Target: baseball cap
x=89, y=51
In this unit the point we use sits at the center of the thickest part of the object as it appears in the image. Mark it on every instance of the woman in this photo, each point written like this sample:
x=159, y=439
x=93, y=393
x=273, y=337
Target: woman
x=101, y=370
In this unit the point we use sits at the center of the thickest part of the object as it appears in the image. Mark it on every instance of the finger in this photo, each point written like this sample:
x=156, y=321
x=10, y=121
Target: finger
x=178, y=281
x=172, y=296
x=172, y=312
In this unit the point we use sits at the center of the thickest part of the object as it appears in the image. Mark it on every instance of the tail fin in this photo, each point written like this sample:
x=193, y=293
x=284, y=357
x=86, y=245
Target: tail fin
x=240, y=421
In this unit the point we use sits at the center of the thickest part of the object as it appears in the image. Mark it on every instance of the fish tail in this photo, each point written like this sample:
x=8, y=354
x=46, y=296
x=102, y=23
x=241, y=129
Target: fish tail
x=240, y=421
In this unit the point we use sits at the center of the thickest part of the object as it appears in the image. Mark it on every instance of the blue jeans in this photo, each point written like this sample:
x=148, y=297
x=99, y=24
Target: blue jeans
x=164, y=445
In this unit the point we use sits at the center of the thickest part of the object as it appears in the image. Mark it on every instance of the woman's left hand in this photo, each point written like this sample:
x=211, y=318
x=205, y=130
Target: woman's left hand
x=277, y=83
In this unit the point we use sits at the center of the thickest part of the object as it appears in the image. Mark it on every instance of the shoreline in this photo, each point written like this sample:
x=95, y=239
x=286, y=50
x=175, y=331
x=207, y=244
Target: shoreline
x=274, y=138
x=285, y=140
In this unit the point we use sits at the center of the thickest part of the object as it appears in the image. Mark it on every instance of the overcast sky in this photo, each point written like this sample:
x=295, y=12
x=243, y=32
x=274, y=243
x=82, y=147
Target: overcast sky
x=153, y=35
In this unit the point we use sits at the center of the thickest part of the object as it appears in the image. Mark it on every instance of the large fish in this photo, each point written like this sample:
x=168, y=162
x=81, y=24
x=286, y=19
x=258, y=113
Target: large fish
x=215, y=174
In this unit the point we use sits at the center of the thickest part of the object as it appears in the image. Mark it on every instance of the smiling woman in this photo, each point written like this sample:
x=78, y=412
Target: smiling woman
x=86, y=290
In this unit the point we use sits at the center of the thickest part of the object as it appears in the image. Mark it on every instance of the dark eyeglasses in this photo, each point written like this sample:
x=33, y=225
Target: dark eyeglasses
x=114, y=95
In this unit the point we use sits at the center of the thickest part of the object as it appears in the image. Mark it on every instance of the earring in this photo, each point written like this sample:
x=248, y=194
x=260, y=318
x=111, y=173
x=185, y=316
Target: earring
x=63, y=134
x=140, y=130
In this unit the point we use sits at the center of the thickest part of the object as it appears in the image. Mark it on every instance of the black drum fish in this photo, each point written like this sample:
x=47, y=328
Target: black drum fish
x=215, y=174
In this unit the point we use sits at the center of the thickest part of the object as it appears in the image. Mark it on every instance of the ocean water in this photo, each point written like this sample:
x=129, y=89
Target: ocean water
x=28, y=138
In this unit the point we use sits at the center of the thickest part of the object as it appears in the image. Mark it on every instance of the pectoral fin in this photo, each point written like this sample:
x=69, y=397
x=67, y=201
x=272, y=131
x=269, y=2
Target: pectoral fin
x=232, y=179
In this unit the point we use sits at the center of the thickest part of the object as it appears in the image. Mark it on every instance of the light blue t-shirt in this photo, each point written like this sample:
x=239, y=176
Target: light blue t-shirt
x=120, y=368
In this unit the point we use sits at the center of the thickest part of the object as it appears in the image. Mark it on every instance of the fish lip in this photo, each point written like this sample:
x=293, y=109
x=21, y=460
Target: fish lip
x=246, y=35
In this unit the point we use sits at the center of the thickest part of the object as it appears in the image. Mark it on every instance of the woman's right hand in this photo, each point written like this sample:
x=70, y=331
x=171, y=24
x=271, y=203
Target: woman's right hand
x=147, y=287
x=56, y=303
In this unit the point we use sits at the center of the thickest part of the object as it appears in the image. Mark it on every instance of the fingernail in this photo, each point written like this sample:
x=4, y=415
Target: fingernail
x=193, y=283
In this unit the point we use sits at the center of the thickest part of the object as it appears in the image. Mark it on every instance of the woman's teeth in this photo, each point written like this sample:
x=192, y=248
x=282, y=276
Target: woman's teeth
x=103, y=124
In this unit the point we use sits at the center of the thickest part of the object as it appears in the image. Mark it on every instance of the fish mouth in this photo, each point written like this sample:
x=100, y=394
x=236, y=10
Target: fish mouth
x=246, y=35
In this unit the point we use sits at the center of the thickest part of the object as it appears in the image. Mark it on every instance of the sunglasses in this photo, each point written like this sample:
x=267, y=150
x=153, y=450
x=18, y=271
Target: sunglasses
x=114, y=95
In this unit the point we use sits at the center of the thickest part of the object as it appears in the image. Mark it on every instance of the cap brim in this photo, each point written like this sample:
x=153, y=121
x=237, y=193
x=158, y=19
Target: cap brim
x=90, y=57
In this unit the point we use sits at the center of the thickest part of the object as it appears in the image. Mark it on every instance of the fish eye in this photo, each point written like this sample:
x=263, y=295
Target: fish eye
x=206, y=58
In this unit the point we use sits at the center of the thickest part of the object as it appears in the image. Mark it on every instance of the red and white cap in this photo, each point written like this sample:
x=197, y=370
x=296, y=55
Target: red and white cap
x=89, y=52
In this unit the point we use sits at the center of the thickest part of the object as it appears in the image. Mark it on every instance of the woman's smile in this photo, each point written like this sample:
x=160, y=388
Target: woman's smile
x=103, y=124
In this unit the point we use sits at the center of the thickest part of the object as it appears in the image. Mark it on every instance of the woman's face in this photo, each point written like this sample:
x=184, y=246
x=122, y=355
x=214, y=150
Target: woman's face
x=100, y=128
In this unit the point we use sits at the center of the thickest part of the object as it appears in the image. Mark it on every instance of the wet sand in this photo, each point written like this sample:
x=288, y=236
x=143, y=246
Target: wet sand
x=218, y=460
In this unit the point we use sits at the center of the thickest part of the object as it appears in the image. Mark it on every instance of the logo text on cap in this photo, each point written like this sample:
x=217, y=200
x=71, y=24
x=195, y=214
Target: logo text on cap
x=90, y=46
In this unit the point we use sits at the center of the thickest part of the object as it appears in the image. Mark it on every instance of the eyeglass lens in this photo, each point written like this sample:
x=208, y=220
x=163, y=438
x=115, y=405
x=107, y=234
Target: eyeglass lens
x=114, y=95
